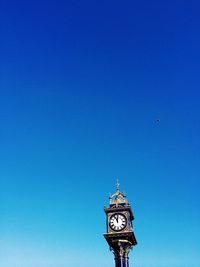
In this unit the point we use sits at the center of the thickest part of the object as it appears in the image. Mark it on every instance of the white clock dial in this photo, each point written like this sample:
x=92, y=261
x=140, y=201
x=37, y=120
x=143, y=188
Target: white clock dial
x=117, y=222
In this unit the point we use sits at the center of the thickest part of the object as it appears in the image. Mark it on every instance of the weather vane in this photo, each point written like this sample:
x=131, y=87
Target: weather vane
x=118, y=184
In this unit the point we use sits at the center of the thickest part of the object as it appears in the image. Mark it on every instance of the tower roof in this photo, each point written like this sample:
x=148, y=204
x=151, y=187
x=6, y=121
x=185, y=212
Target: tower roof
x=118, y=198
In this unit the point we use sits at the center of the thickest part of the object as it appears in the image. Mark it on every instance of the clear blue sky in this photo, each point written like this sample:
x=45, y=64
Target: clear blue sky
x=82, y=84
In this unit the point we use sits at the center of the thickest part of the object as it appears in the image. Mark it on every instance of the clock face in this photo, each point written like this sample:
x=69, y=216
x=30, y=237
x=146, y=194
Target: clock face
x=117, y=222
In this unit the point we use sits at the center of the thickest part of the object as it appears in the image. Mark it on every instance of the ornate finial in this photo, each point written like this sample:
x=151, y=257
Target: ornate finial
x=118, y=184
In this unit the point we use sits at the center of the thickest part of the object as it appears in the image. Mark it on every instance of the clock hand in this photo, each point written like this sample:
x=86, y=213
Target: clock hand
x=116, y=217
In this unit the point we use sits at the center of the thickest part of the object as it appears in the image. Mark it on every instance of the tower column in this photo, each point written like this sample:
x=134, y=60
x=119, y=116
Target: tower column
x=119, y=261
x=121, y=249
x=126, y=258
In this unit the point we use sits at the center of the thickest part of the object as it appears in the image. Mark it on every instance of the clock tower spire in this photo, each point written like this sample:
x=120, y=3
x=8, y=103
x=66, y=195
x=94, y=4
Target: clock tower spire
x=119, y=235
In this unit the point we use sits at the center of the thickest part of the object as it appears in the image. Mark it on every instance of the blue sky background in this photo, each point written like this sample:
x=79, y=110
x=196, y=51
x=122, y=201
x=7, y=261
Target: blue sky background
x=82, y=84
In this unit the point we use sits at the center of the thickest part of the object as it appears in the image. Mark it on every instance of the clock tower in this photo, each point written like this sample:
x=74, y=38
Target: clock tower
x=119, y=235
